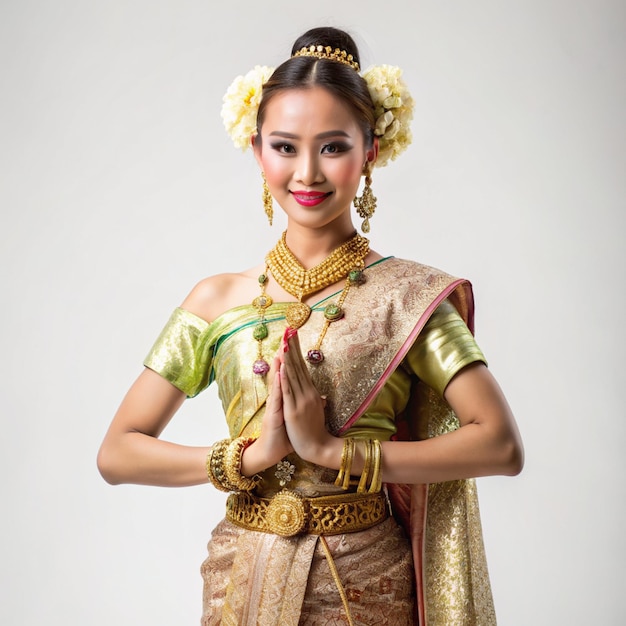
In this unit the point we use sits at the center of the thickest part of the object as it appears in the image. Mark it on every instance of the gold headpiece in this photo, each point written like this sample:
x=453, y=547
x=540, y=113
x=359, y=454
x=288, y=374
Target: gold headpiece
x=326, y=52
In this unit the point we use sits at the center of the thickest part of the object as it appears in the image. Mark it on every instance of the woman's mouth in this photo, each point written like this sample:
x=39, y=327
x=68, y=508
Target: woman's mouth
x=310, y=198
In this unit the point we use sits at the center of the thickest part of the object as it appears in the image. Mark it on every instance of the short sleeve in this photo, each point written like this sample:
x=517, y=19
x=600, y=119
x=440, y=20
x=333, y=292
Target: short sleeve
x=181, y=354
x=443, y=348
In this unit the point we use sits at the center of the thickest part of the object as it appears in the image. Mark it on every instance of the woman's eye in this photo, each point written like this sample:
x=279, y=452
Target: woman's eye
x=333, y=148
x=285, y=148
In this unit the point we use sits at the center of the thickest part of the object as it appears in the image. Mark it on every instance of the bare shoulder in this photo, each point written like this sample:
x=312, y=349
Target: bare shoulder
x=216, y=294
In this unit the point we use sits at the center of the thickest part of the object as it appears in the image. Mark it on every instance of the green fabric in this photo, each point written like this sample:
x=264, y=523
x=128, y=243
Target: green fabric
x=189, y=350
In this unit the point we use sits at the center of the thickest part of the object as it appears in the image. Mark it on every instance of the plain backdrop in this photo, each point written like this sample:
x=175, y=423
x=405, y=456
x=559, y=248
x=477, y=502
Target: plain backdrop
x=119, y=190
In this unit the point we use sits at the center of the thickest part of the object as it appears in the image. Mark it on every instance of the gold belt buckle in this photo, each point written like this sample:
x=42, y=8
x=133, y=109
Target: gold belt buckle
x=286, y=515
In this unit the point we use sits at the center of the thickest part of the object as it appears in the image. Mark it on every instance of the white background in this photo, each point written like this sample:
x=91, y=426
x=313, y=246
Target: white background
x=119, y=190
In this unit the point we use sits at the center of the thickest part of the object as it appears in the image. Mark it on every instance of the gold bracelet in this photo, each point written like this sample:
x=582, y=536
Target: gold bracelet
x=377, y=467
x=367, y=467
x=347, y=457
x=215, y=465
x=232, y=465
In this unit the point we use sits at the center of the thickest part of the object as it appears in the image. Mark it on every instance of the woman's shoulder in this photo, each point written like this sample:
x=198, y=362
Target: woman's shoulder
x=214, y=295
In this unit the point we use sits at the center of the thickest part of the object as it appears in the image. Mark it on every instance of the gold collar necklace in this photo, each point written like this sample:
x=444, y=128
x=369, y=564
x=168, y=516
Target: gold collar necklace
x=348, y=260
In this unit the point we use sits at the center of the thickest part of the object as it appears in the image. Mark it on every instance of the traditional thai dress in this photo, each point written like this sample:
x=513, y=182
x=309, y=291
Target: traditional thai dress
x=405, y=334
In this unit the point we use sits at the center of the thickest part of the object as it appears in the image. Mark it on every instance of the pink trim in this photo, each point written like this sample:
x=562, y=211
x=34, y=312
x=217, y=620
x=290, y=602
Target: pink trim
x=403, y=350
x=419, y=512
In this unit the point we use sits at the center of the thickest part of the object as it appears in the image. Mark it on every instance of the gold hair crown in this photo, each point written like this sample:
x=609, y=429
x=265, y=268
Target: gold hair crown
x=326, y=52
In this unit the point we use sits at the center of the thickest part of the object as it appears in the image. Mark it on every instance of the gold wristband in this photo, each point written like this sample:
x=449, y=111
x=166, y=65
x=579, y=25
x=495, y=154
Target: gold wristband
x=371, y=476
x=224, y=465
x=347, y=457
x=215, y=465
x=377, y=467
x=367, y=466
x=232, y=465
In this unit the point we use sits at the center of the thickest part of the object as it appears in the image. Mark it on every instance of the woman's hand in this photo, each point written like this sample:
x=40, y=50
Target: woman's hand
x=303, y=409
x=273, y=443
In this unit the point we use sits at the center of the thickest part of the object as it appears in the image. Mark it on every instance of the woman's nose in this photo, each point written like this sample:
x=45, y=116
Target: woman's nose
x=309, y=171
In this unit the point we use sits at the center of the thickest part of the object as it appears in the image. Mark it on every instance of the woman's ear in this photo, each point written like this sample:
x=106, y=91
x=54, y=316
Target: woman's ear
x=255, y=142
x=372, y=154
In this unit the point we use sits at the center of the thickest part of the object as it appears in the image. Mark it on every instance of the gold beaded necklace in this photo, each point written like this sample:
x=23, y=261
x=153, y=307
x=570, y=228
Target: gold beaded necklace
x=298, y=282
x=348, y=260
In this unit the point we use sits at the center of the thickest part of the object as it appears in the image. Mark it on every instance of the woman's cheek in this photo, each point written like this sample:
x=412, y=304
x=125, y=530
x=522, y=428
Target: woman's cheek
x=275, y=171
x=348, y=174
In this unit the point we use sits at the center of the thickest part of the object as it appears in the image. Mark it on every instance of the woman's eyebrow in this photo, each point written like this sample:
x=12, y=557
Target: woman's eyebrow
x=324, y=135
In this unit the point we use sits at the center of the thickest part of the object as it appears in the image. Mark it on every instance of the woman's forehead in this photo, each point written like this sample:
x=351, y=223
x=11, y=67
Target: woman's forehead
x=308, y=110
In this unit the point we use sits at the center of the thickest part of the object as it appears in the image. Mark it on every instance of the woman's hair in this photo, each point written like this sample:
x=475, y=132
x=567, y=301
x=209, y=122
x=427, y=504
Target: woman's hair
x=341, y=80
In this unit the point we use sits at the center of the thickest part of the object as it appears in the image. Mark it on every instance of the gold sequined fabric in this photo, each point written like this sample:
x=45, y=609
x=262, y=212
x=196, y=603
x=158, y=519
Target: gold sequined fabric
x=374, y=376
x=456, y=588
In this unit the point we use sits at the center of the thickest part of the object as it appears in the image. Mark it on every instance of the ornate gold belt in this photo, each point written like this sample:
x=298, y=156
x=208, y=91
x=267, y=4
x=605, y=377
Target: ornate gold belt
x=288, y=513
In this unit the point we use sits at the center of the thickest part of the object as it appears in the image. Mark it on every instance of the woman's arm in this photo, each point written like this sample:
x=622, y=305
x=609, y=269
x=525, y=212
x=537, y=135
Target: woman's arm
x=487, y=443
x=132, y=452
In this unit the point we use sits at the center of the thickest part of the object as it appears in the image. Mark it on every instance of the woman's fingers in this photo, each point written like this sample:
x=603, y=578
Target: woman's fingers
x=273, y=379
x=285, y=383
x=303, y=407
x=297, y=370
x=274, y=402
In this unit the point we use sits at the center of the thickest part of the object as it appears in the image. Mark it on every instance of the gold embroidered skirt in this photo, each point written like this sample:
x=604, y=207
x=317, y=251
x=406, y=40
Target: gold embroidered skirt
x=259, y=579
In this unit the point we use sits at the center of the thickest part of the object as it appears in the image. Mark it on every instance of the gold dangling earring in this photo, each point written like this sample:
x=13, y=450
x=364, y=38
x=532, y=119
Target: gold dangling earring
x=268, y=202
x=366, y=204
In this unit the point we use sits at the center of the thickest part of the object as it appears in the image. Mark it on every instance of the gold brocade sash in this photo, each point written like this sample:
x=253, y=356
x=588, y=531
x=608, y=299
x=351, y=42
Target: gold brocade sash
x=268, y=580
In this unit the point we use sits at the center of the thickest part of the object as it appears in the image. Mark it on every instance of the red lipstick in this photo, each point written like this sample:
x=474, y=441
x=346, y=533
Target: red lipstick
x=309, y=198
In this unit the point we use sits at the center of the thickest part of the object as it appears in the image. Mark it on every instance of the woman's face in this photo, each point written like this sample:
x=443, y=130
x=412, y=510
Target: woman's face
x=313, y=153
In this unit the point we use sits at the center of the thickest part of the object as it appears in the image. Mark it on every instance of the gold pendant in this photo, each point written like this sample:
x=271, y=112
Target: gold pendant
x=285, y=514
x=297, y=314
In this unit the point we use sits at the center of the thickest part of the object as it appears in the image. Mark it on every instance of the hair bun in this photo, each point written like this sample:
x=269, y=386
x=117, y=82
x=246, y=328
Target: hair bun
x=327, y=36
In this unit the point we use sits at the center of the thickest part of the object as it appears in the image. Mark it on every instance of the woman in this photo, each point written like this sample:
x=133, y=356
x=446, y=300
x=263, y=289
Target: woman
x=340, y=371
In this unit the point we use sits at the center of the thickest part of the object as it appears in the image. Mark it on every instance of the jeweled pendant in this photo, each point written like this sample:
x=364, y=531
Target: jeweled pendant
x=356, y=277
x=333, y=312
x=284, y=472
x=297, y=314
x=262, y=302
x=260, y=367
x=314, y=356
x=260, y=332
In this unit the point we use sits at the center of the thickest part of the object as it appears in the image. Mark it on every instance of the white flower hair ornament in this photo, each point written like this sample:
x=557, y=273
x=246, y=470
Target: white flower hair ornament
x=241, y=104
x=393, y=106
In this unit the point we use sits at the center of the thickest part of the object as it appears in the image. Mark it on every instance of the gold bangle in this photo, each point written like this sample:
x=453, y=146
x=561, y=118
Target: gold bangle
x=367, y=466
x=377, y=467
x=347, y=457
x=232, y=465
x=215, y=465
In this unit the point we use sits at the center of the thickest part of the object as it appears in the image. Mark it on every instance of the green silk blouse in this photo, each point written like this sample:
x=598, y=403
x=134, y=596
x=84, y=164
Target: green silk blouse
x=184, y=354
